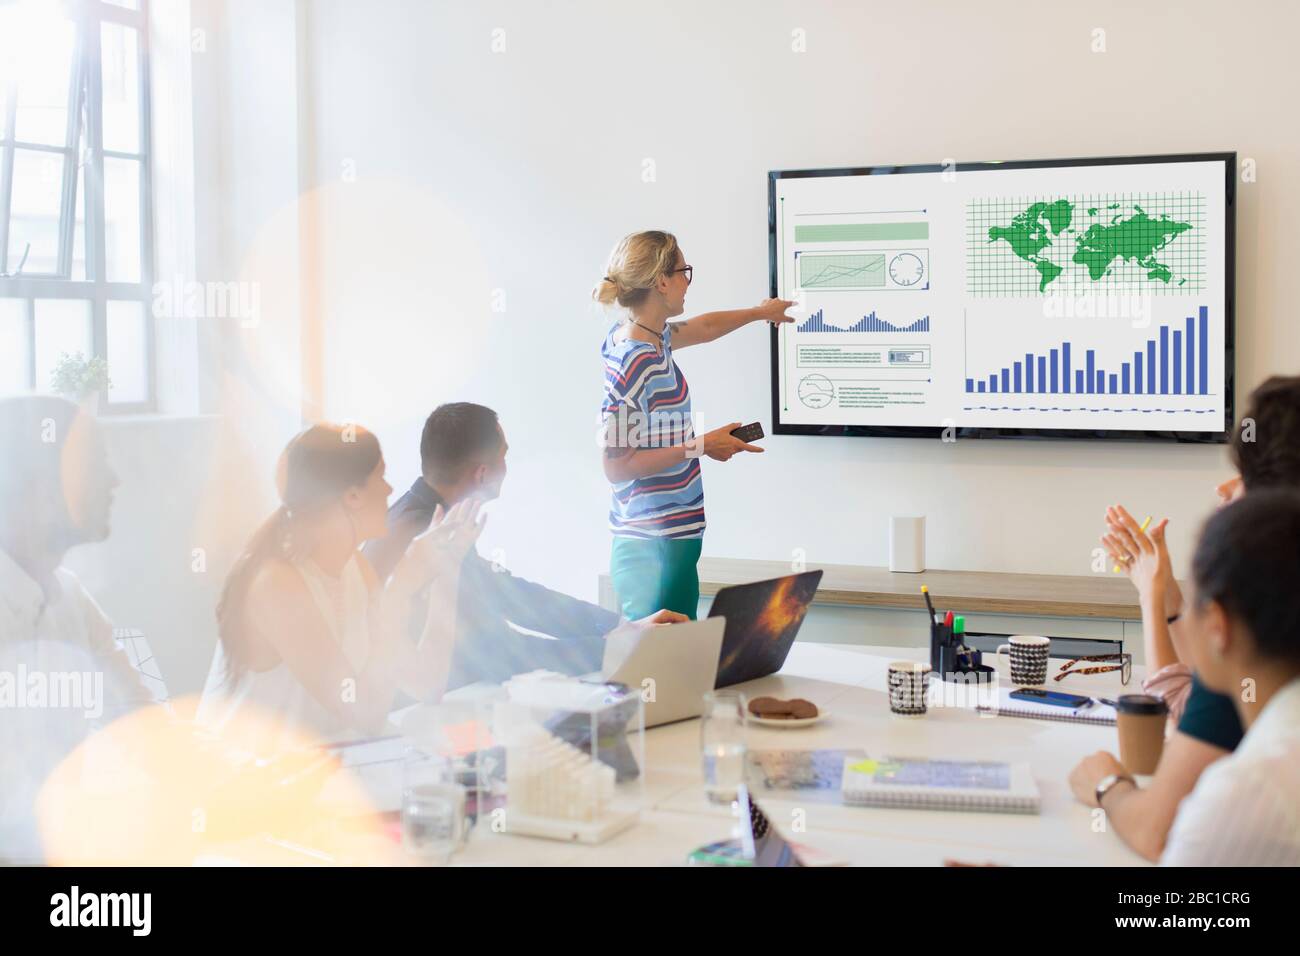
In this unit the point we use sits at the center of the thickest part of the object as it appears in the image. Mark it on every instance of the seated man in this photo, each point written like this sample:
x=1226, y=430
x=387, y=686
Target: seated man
x=462, y=455
x=1243, y=641
x=56, y=492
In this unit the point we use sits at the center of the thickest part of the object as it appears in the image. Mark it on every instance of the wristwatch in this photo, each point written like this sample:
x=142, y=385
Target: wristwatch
x=1105, y=783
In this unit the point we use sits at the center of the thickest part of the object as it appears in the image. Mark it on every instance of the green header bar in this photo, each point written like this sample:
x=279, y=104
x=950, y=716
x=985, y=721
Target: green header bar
x=862, y=231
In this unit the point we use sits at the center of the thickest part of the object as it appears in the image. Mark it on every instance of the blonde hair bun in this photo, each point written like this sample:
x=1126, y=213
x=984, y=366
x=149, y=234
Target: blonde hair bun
x=635, y=265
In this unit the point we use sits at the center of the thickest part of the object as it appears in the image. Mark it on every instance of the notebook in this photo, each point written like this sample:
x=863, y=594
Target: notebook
x=921, y=784
x=1098, y=713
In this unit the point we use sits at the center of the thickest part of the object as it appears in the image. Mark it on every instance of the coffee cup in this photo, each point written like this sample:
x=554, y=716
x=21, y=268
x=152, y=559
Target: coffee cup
x=908, y=682
x=1028, y=655
x=1140, y=719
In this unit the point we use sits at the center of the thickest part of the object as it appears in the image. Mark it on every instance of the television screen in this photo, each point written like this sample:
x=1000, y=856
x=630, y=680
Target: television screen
x=1064, y=298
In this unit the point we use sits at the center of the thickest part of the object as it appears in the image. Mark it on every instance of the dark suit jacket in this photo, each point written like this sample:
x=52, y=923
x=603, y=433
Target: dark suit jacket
x=487, y=647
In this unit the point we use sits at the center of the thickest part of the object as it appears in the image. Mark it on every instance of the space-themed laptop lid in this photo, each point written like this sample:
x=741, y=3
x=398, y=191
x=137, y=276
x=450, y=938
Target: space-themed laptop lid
x=762, y=620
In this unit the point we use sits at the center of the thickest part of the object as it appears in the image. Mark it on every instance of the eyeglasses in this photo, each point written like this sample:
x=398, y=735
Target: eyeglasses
x=1125, y=666
x=689, y=270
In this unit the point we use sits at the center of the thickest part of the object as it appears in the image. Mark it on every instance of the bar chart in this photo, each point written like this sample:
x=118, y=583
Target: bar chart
x=1173, y=361
x=868, y=323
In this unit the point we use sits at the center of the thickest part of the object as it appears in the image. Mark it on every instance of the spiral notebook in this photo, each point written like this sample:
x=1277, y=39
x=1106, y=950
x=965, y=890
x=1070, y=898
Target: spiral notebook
x=921, y=784
x=1098, y=713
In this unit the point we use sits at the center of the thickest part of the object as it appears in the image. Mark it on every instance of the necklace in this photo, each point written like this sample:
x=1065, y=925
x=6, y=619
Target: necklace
x=658, y=334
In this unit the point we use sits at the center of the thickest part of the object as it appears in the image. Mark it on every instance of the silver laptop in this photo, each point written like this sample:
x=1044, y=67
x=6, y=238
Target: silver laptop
x=673, y=665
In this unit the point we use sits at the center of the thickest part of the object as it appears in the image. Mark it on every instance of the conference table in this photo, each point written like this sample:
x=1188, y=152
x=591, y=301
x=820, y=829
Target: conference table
x=848, y=684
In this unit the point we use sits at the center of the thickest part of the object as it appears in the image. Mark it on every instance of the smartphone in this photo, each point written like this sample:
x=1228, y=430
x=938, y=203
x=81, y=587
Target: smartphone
x=1053, y=697
x=749, y=433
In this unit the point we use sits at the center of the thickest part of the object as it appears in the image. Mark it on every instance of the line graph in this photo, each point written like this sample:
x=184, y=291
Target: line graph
x=842, y=270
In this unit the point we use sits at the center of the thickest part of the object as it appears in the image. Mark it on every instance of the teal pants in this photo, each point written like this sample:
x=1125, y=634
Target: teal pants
x=653, y=573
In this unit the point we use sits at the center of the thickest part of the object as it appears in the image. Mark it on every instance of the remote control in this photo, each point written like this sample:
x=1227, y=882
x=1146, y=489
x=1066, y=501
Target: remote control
x=749, y=433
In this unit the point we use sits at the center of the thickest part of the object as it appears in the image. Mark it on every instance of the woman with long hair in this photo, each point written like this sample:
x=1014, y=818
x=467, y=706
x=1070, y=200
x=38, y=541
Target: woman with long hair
x=308, y=635
x=651, y=452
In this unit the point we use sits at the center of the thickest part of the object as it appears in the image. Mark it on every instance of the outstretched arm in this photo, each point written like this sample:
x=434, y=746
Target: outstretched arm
x=714, y=325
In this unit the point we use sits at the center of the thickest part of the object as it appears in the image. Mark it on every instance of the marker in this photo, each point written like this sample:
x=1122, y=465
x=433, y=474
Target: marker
x=1145, y=524
x=947, y=619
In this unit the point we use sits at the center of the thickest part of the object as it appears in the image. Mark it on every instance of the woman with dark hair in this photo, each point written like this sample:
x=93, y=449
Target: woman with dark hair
x=1243, y=638
x=1266, y=453
x=308, y=635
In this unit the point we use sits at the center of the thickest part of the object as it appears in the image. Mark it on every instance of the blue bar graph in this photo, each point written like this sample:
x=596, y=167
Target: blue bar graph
x=1203, y=351
x=1168, y=364
x=868, y=323
x=1164, y=360
x=1178, y=362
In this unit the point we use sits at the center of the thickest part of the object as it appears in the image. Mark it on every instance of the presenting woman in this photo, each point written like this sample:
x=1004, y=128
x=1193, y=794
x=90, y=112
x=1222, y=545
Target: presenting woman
x=651, y=452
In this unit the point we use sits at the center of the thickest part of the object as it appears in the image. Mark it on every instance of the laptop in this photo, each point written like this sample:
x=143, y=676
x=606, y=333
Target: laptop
x=671, y=665
x=762, y=621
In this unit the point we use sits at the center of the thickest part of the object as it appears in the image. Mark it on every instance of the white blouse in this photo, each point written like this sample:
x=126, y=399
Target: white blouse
x=273, y=708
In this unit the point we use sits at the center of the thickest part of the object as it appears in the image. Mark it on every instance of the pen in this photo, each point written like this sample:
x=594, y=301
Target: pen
x=1145, y=524
x=925, y=593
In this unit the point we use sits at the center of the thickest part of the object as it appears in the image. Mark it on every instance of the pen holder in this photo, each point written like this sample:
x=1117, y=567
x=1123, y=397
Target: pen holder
x=953, y=661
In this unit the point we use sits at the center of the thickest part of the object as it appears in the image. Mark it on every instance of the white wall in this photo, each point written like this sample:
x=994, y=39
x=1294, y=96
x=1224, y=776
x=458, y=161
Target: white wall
x=439, y=171
x=517, y=170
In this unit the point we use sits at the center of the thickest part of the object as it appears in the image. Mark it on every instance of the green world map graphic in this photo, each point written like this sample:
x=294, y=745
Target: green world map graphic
x=1147, y=244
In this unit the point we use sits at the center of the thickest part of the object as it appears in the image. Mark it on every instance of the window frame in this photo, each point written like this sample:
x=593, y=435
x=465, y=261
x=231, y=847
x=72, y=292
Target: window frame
x=89, y=17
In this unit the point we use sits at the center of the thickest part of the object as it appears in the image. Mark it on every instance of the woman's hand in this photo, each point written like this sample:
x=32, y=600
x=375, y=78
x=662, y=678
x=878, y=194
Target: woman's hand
x=773, y=310
x=720, y=444
x=1091, y=771
x=442, y=548
x=1144, y=557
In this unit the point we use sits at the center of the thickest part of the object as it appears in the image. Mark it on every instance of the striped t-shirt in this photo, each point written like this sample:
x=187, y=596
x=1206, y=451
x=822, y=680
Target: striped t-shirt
x=648, y=405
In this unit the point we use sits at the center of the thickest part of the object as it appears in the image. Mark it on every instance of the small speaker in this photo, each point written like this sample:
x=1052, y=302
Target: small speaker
x=907, y=544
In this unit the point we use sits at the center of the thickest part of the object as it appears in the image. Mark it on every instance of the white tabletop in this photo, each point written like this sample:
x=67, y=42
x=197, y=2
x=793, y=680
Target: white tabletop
x=848, y=684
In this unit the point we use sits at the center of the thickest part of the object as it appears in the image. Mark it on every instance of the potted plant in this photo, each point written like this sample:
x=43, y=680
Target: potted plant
x=80, y=379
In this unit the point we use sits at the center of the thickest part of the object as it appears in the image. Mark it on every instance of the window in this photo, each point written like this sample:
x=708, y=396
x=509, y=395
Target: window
x=76, y=230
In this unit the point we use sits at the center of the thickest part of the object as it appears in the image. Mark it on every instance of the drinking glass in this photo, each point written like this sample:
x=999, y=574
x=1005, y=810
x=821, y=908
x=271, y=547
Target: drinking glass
x=722, y=745
x=433, y=808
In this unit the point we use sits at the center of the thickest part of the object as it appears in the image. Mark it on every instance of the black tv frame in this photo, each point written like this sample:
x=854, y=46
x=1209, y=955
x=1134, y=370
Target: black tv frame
x=1229, y=160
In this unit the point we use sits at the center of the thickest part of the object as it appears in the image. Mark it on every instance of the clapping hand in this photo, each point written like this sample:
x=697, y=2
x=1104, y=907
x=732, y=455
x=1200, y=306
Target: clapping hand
x=1144, y=556
x=450, y=537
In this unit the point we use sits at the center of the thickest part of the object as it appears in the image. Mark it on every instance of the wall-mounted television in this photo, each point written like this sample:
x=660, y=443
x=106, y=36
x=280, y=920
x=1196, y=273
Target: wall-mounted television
x=1059, y=298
